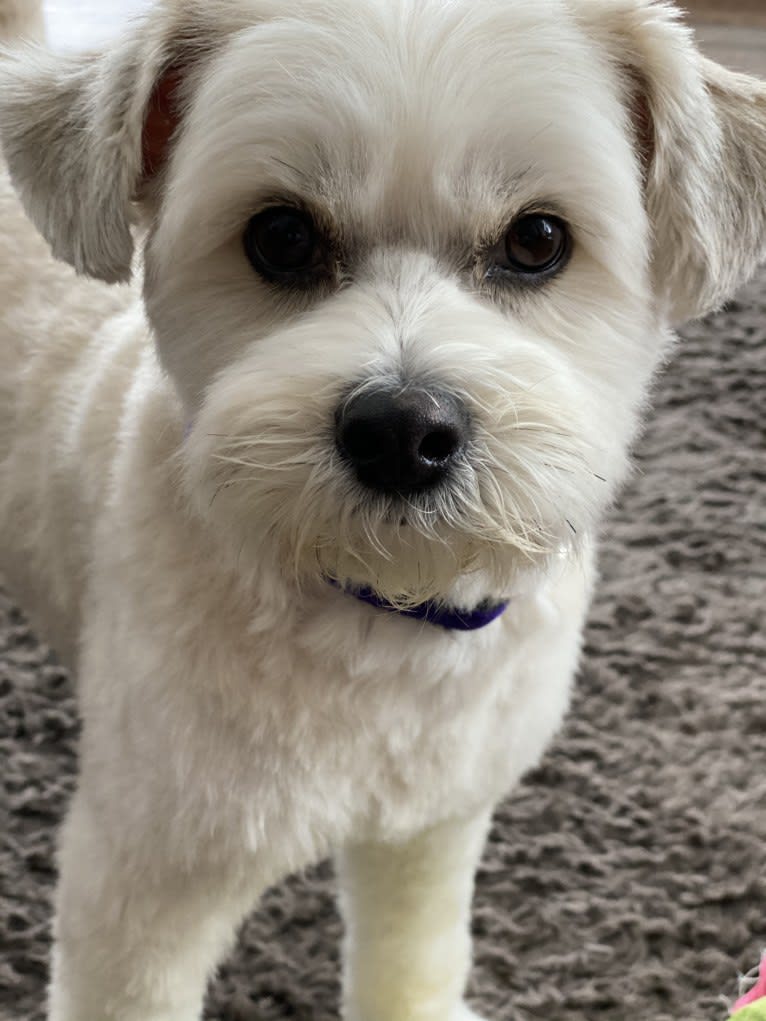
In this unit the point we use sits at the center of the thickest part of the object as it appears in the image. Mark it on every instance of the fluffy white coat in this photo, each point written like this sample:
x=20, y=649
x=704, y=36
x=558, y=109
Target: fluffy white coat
x=171, y=502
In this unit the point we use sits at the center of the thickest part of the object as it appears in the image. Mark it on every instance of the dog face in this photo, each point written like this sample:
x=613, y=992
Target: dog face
x=420, y=269
x=410, y=265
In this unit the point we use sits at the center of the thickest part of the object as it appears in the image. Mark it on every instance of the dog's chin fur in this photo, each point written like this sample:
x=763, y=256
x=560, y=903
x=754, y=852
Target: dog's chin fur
x=173, y=503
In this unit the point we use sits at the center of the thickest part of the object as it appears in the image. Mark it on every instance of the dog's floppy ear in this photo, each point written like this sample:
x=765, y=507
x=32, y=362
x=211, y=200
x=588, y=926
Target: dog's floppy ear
x=701, y=134
x=86, y=136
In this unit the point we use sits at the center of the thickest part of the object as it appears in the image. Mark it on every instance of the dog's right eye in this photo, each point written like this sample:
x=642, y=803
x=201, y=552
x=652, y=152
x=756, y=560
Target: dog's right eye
x=282, y=243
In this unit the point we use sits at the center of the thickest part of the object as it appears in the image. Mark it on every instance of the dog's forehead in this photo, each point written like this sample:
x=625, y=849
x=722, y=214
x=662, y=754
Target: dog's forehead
x=431, y=112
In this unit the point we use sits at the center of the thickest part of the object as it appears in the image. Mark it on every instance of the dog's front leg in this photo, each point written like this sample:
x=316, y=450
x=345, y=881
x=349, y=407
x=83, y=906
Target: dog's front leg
x=136, y=937
x=407, y=913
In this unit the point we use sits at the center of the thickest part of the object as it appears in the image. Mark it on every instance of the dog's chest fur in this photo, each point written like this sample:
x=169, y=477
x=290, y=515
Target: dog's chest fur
x=309, y=723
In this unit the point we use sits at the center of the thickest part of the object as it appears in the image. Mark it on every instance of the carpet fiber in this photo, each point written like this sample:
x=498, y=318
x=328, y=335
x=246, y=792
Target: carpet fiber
x=626, y=879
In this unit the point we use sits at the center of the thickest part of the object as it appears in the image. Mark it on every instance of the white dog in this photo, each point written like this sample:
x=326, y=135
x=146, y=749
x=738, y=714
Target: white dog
x=315, y=518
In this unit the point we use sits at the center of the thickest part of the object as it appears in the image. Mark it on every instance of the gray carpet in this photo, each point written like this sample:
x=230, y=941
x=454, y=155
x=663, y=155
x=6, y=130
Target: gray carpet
x=626, y=879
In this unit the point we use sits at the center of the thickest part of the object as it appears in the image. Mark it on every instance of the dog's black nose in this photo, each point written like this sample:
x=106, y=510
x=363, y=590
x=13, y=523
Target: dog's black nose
x=401, y=441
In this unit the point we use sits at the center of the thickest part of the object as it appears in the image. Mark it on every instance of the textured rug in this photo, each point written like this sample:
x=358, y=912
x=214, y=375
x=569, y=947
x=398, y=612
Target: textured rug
x=625, y=880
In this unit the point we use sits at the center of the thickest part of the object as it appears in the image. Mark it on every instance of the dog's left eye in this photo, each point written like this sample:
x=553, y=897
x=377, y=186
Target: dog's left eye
x=535, y=245
x=282, y=242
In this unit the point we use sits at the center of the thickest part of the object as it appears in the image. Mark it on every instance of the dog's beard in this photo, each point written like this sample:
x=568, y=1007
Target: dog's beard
x=517, y=496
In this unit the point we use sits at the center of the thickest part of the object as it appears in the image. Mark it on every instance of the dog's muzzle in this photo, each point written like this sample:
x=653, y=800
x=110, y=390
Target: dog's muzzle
x=401, y=441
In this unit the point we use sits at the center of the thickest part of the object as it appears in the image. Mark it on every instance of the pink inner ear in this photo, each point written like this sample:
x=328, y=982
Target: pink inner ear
x=161, y=121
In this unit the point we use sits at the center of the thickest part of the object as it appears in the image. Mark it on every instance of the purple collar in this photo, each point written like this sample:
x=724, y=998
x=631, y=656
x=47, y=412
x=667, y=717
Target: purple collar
x=432, y=612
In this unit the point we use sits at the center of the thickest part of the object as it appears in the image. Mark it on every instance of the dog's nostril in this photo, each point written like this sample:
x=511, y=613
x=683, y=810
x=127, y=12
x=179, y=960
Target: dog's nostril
x=439, y=445
x=401, y=441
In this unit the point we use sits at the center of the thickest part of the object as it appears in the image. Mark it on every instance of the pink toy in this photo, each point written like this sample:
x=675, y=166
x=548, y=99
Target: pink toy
x=756, y=995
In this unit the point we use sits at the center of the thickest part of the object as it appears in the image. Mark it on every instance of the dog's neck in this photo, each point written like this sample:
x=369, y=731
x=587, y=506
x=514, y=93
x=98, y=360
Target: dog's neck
x=438, y=614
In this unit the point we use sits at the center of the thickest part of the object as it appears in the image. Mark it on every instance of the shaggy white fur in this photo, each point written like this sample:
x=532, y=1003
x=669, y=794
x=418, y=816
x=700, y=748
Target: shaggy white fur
x=172, y=498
